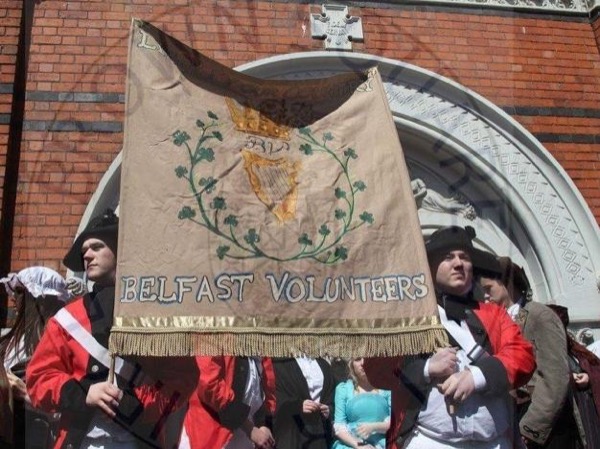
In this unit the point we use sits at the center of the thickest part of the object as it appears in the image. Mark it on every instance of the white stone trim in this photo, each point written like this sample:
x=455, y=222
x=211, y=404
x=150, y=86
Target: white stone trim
x=577, y=7
x=556, y=6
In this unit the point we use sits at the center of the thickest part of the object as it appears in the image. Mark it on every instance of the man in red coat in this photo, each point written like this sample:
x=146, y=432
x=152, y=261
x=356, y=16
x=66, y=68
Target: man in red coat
x=458, y=396
x=68, y=372
x=233, y=406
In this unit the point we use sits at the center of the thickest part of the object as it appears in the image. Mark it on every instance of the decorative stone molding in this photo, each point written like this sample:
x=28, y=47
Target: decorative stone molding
x=579, y=7
x=593, y=5
x=504, y=157
x=336, y=27
x=518, y=172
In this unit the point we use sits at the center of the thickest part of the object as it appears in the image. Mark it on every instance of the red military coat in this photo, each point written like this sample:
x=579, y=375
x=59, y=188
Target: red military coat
x=511, y=366
x=61, y=372
x=216, y=409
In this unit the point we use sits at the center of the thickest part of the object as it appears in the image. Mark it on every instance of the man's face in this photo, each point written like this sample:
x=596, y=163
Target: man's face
x=100, y=261
x=454, y=273
x=495, y=291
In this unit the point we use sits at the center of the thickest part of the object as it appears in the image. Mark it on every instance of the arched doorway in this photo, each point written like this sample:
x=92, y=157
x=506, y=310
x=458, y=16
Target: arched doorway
x=477, y=166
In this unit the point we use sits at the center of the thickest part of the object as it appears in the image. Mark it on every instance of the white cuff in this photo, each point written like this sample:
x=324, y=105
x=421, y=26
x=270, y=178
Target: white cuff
x=478, y=378
x=426, y=371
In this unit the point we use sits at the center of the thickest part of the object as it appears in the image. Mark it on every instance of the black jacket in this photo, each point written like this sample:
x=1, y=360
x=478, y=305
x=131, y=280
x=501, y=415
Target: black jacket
x=293, y=429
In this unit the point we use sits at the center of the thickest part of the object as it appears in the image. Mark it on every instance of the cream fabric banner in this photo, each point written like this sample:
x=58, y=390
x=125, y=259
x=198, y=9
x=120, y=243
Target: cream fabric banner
x=264, y=217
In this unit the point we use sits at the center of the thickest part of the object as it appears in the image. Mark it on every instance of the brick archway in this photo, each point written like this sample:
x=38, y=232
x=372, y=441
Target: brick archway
x=460, y=143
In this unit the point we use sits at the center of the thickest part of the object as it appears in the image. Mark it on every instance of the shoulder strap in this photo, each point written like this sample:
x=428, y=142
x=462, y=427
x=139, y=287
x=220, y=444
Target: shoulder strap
x=81, y=335
x=462, y=335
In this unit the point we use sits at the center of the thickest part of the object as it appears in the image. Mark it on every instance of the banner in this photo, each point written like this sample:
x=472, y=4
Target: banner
x=262, y=217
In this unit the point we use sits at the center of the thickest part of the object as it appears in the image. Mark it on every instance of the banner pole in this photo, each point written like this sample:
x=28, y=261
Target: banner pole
x=111, y=371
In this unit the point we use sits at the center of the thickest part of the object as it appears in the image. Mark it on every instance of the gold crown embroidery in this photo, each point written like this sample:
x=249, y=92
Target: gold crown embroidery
x=249, y=120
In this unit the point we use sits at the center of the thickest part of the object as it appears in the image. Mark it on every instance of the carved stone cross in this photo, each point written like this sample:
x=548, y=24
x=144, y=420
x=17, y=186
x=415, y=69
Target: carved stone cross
x=336, y=27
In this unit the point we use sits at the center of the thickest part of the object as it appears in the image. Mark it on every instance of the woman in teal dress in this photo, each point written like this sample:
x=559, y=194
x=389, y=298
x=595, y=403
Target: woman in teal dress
x=362, y=412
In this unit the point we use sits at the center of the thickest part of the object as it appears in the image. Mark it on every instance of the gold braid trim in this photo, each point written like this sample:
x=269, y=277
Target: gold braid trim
x=189, y=343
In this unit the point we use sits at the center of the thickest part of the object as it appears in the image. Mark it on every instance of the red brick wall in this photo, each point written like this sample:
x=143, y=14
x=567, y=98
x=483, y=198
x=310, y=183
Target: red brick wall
x=10, y=17
x=514, y=61
x=596, y=28
x=592, y=159
x=80, y=47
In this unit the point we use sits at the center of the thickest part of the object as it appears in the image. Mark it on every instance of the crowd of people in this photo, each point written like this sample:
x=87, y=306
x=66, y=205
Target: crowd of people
x=511, y=377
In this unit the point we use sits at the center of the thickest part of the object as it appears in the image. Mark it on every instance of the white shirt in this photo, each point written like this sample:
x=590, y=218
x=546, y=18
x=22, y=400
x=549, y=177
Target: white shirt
x=313, y=375
x=102, y=426
x=478, y=418
x=514, y=309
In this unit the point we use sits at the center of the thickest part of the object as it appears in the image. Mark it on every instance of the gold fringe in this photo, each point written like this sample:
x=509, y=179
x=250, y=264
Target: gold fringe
x=277, y=345
x=273, y=325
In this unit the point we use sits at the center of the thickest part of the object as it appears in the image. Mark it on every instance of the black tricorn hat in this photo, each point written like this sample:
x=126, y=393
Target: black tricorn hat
x=503, y=269
x=101, y=226
x=452, y=238
x=489, y=266
x=512, y=273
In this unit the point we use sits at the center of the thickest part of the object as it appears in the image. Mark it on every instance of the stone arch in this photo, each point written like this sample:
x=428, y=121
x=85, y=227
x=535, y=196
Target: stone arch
x=461, y=144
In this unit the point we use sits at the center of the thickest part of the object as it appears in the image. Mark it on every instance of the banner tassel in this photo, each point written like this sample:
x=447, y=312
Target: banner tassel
x=276, y=345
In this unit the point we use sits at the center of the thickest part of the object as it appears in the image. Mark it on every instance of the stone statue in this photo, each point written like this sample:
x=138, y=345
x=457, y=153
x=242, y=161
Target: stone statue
x=428, y=199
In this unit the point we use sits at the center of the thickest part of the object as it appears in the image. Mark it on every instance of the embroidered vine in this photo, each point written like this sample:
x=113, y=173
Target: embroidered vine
x=324, y=244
